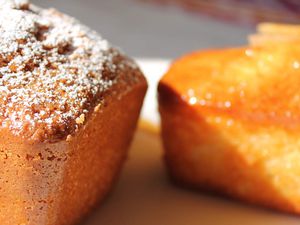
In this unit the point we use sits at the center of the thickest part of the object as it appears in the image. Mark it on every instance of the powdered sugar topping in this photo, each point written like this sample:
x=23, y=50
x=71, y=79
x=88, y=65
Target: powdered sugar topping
x=51, y=68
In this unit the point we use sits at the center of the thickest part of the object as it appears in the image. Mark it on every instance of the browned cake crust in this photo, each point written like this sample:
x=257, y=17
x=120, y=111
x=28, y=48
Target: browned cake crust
x=230, y=121
x=69, y=104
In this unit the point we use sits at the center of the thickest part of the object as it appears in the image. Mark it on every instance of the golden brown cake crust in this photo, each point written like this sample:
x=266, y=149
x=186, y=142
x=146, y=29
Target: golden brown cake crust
x=54, y=72
x=69, y=105
x=245, y=83
x=62, y=182
x=230, y=121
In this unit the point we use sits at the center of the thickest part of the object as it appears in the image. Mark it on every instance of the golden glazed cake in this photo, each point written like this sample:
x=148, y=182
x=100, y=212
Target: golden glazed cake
x=69, y=104
x=231, y=119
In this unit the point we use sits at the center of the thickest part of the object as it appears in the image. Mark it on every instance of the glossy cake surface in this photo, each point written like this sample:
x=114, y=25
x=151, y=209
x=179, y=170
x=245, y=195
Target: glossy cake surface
x=241, y=83
x=230, y=122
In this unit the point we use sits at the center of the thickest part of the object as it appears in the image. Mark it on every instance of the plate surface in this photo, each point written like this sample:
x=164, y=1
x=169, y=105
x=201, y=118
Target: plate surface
x=145, y=196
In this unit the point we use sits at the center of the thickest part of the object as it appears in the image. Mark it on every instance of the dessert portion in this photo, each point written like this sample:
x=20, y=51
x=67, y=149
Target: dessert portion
x=230, y=119
x=69, y=104
x=272, y=34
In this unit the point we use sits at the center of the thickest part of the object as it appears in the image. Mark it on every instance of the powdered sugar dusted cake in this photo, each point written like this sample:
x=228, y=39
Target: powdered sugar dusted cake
x=69, y=104
x=53, y=70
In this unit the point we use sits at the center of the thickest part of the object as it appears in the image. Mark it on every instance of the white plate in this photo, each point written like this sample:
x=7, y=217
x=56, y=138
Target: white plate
x=153, y=70
x=145, y=196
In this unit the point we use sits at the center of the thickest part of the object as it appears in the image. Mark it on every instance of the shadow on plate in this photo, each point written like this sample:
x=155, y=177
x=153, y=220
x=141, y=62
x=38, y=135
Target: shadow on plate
x=145, y=196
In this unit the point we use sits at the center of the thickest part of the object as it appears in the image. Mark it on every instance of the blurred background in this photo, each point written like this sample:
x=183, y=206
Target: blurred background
x=151, y=29
x=170, y=28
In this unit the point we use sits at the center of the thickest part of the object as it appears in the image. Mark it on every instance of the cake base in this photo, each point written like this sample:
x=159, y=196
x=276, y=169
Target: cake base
x=59, y=183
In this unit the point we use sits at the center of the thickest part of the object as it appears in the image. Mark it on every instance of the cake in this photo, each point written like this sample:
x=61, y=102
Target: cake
x=230, y=119
x=69, y=104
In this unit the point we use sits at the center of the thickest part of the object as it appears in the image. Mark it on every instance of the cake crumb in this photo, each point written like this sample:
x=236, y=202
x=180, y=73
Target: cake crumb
x=80, y=119
x=69, y=137
x=97, y=108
